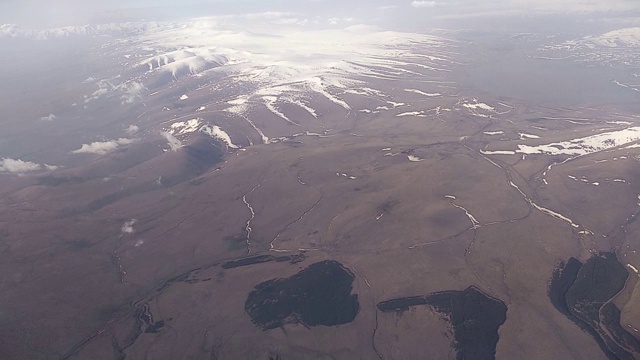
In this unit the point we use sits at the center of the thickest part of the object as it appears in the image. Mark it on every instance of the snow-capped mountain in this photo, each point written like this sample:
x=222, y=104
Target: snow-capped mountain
x=621, y=46
x=627, y=37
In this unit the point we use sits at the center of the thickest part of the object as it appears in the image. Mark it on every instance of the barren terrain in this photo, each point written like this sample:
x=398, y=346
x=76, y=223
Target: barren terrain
x=183, y=192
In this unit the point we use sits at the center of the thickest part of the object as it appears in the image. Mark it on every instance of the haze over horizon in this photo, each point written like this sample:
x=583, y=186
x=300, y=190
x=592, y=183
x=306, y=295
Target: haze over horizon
x=456, y=14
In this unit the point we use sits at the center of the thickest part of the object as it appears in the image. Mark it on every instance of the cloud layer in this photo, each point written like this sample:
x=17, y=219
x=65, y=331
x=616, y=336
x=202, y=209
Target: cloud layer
x=422, y=4
x=35, y=13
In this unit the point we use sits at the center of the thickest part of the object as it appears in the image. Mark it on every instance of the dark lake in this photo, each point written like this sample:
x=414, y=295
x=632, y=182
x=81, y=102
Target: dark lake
x=317, y=295
x=582, y=292
x=474, y=316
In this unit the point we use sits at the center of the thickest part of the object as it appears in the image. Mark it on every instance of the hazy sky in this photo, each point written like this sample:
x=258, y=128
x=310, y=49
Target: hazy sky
x=50, y=13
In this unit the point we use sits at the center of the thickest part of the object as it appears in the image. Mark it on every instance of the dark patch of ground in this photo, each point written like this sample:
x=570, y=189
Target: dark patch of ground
x=259, y=259
x=611, y=320
x=475, y=318
x=317, y=295
x=583, y=293
x=561, y=281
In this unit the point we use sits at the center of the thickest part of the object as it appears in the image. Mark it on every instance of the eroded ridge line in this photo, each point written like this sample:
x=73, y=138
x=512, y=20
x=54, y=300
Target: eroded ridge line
x=253, y=216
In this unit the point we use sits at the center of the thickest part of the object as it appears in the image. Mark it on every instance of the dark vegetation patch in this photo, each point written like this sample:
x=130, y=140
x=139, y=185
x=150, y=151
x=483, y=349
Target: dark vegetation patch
x=107, y=312
x=474, y=316
x=81, y=244
x=386, y=207
x=611, y=320
x=237, y=242
x=293, y=259
x=582, y=293
x=145, y=320
x=317, y=295
x=54, y=181
x=155, y=327
x=197, y=182
x=561, y=281
x=598, y=280
x=403, y=304
x=142, y=323
x=178, y=279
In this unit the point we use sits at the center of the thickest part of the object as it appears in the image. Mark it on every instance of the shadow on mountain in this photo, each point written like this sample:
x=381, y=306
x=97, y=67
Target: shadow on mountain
x=113, y=163
x=169, y=169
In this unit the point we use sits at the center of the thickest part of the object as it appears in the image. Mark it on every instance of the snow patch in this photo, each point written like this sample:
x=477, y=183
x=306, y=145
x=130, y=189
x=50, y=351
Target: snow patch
x=412, y=113
x=586, y=145
x=524, y=136
x=219, y=134
x=475, y=105
x=419, y=92
x=185, y=127
x=497, y=152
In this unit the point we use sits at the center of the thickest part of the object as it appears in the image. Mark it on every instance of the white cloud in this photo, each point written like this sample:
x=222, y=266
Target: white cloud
x=291, y=21
x=336, y=21
x=102, y=147
x=127, y=227
x=132, y=129
x=423, y=4
x=131, y=92
x=49, y=117
x=18, y=166
x=104, y=87
x=174, y=143
x=269, y=15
